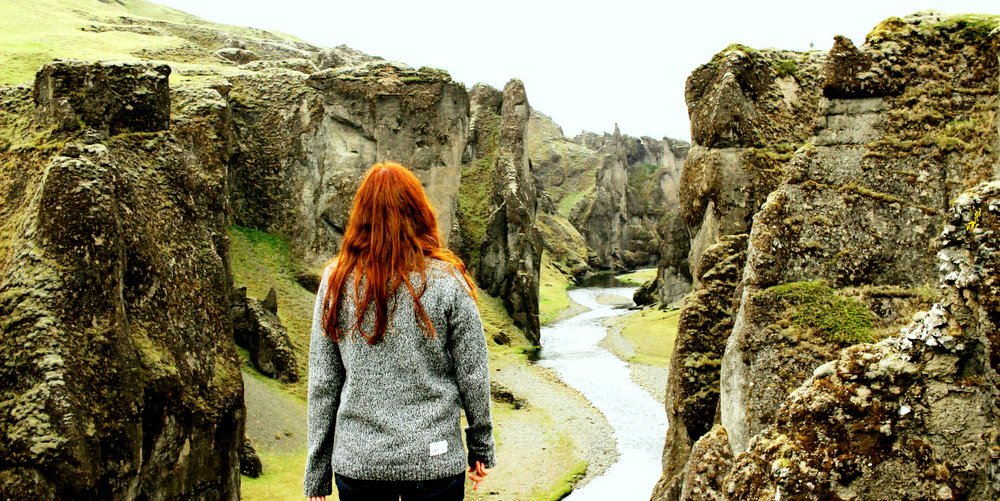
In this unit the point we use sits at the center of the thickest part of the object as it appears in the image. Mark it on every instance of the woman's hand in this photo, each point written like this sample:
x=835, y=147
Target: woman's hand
x=477, y=474
x=316, y=498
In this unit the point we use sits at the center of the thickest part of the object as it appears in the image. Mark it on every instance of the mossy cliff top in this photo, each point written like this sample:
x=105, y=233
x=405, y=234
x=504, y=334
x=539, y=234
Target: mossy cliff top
x=119, y=374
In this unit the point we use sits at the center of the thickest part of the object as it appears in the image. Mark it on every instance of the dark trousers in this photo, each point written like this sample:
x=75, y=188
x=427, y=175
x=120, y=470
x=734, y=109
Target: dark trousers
x=439, y=489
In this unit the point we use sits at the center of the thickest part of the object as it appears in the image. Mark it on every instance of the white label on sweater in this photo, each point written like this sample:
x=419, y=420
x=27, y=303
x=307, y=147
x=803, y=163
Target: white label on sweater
x=438, y=448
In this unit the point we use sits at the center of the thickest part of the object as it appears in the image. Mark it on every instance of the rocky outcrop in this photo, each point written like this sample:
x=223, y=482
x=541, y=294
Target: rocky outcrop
x=256, y=328
x=119, y=376
x=250, y=465
x=306, y=141
x=914, y=416
x=852, y=215
x=604, y=220
x=842, y=251
x=509, y=245
x=692, y=396
x=750, y=110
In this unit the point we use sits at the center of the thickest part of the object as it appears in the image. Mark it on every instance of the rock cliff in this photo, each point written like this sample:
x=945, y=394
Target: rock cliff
x=841, y=167
x=636, y=186
x=305, y=141
x=499, y=203
x=119, y=375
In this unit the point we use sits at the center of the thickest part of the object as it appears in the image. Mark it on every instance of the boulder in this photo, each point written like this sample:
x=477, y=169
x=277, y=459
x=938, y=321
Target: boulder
x=257, y=329
x=250, y=465
x=237, y=55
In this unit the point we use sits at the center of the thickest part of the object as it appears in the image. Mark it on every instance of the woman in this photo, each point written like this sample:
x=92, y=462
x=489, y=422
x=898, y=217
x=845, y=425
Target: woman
x=397, y=350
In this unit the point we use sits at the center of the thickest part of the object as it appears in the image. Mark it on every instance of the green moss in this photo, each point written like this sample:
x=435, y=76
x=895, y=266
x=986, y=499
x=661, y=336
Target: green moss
x=814, y=305
x=476, y=187
x=786, y=68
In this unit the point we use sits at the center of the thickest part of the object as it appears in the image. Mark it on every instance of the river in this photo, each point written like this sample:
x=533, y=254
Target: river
x=571, y=348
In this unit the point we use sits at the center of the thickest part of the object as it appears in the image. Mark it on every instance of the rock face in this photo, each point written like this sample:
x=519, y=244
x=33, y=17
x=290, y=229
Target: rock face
x=913, y=416
x=636, y=186
x=510, y=247
x=305, y=142
x=620, y=192
x=257, y=329
x=119, y=376
x=692, y=395
x=858, y=162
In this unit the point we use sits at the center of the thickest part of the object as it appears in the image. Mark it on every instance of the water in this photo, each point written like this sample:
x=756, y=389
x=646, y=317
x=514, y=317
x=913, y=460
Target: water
x=570, y=348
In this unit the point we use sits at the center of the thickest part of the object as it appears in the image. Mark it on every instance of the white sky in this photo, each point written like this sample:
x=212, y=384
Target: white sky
x=587, y=64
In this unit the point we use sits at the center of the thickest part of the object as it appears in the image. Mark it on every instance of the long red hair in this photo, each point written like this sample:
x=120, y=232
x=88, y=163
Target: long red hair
x=391, y=233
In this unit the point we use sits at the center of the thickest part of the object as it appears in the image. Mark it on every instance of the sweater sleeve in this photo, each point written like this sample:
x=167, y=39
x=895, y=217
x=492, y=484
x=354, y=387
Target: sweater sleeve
x=468, y=350
x=326, y=377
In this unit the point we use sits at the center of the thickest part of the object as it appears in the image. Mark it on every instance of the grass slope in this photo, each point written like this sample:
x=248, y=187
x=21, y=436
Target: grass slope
x=651, y=332
x=34, y=33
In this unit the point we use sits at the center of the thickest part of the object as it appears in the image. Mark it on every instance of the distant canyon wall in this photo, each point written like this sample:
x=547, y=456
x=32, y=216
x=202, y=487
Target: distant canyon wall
x=621, y=193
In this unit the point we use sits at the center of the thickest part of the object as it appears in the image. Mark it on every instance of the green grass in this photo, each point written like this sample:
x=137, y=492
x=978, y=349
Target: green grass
x=651, y=332
x=552, y=296
x=638, y=277
x=281, y=478
x=816, y=306
x=569, y=200
x=565, y=485
x=37, y=32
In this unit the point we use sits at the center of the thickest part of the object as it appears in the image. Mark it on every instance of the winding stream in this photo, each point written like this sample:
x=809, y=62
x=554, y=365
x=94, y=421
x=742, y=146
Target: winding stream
x=639, y=422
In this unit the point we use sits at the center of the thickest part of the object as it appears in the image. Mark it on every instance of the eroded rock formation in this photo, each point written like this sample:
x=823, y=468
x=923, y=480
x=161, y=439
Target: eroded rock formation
x=119, y=375
x=257, y=329
x=842, y=168
x=500, y=203
x=305, y=142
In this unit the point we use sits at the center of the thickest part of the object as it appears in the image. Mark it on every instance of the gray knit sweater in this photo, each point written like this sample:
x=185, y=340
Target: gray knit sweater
x=391, y=411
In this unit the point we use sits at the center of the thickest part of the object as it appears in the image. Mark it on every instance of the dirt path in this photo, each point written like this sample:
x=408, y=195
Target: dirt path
x=276, y=421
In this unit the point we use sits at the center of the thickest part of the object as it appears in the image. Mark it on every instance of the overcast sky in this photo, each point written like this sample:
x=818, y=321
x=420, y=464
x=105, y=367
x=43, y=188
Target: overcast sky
x=587, y=64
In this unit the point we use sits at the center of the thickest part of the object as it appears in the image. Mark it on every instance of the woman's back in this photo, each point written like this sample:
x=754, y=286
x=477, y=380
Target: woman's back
x=398, y=415
x=397, y=352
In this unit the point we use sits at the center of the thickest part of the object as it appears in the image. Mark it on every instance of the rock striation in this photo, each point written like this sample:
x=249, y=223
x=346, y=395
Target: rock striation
x=842, y=168
x=119, y=375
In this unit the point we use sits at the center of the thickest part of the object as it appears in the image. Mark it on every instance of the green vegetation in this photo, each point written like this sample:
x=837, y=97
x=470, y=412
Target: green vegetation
x=477, y=181
x=651, y=332
x=638, y=277
x=786, y=68
x=280, y=480
x=570, y=199
x=565, y=485
x=48, y=29
x=815, y=306
x=261, y=260
x=552, y=297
